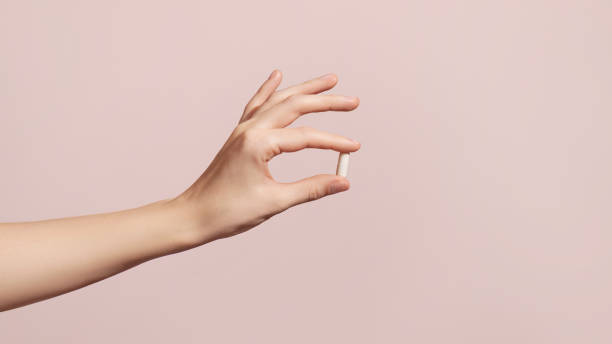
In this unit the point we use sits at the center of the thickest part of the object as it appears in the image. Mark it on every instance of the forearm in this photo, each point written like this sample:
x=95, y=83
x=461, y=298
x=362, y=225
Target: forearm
x=42, y=259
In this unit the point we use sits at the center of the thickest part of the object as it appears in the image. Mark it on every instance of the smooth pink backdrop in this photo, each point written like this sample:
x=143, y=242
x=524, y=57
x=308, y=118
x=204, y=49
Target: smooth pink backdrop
x=480, y=208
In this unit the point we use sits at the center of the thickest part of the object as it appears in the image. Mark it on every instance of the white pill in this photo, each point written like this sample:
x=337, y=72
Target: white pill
x=343, y=164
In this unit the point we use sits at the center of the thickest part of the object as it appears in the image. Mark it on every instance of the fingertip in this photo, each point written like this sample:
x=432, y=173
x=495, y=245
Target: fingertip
x=346, y=182
x=352, y=147
x=333, y=79
x=330, y=77
x=339, y=184
x=351, y=102
x=275, y=74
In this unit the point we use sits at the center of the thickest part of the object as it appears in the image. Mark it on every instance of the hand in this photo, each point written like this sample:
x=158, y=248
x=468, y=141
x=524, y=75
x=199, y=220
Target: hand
x=42, y=259
x=237, y=191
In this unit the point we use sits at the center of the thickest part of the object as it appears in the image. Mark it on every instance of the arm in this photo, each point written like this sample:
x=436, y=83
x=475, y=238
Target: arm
x=42, y=259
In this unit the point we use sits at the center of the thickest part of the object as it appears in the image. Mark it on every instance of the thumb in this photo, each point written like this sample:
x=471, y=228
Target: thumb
x=313, y=188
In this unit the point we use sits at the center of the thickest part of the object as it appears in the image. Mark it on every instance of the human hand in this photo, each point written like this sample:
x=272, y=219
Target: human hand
x=42, y=259
x=237, y=191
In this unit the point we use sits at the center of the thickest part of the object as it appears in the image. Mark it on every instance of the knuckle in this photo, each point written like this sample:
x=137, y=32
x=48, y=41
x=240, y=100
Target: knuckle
x=278, y=201
x=313, y=193
x=294, y=99
x=249, y=138
x=305, y=130
x=257, y=140
x=275, y=97
x=268, y=143
x=240, y=129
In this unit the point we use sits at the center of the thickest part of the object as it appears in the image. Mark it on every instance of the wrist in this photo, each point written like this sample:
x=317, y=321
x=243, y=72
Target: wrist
x=157, y=229
x=184, y=224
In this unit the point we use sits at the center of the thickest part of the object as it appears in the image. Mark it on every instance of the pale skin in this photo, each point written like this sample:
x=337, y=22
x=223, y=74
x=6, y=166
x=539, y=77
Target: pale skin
x=43, y=259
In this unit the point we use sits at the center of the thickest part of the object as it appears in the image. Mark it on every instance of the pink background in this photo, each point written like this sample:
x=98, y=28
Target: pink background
x=480, y=208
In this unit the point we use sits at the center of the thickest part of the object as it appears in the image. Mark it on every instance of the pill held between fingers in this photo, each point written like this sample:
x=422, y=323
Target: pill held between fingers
x=343, y=164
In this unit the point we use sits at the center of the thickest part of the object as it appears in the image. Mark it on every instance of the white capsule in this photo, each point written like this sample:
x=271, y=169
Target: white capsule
x=343, y=164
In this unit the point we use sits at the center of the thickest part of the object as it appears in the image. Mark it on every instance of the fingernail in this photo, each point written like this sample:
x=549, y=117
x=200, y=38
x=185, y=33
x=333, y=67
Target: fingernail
x=350, y=98
x=273, y=74
x=350, y=139
x=329, y=76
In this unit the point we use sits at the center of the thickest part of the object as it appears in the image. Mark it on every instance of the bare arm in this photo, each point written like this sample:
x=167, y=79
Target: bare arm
x=42, y=259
